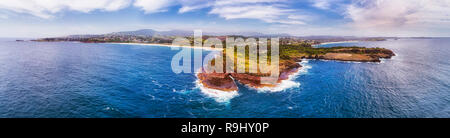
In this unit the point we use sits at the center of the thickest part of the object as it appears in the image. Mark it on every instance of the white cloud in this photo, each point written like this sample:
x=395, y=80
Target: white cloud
x=2, y=16
x=191, y=5
x=237, y=2
x=322, y=4
x=333, y=5
x=46, y=8
x=271, y=11
x=263, y=12
x=195, y=6
x=398, y=13
x=154, y=6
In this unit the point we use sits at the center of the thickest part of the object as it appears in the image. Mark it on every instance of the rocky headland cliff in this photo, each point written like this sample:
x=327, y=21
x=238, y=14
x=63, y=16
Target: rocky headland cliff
x=289, y=65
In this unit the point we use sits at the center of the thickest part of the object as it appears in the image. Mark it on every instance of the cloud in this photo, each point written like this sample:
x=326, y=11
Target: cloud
x=192, y=5
x=237, y=2
x=46, y=8
x=397, y=13
x=271, y=11
x=154, y=6
x=2, y=16
x=322, y=4
x=263, y=12
x=333, y=5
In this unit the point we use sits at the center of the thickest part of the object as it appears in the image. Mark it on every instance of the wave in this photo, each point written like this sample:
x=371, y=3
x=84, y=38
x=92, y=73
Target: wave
x=305, y=66
x=395, y=57
x=285, y=84
x=288, y=83
x=217, y=95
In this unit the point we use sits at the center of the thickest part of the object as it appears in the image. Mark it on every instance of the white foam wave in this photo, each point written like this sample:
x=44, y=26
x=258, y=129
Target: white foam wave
x=395, y=57
x=285, y=84
x=383, y=60
x=288, y=83
x=110, y=109
x=217, y=95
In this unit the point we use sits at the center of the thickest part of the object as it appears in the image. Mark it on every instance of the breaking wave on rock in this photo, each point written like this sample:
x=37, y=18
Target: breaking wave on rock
x=290, y=82
x=217, y=95
x=226, y=96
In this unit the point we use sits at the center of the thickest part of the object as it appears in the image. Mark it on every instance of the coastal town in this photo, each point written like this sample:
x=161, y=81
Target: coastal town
x=166, y=37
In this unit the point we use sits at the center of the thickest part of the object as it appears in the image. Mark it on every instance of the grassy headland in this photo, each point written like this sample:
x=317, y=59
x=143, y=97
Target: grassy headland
x=289, y=55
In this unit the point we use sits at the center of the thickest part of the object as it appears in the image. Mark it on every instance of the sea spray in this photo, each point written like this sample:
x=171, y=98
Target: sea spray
x=217, y=95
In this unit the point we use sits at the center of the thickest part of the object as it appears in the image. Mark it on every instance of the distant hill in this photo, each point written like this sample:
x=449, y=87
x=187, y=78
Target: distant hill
x=183, y=33
x=142, y=32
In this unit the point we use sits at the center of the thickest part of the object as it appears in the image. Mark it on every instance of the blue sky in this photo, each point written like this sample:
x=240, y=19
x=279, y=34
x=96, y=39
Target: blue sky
x=46, y=18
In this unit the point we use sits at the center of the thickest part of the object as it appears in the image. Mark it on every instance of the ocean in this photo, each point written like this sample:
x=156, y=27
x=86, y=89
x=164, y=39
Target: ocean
x=79, y=80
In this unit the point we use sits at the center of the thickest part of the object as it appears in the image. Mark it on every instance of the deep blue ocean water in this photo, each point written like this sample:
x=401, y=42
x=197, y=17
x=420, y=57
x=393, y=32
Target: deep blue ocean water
x=64, y=79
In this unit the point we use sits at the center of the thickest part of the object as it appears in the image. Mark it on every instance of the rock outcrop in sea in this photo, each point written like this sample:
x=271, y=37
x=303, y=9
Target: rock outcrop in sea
x=227, y=81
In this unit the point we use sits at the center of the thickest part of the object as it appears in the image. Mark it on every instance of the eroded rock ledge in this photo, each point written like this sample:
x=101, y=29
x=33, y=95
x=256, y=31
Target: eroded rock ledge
x=227, y=81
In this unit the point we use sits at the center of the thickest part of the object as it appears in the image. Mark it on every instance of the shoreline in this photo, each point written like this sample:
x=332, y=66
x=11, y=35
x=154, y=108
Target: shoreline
x=325, y=43
x=166, y=45
x=288, y=67
x=144, y=44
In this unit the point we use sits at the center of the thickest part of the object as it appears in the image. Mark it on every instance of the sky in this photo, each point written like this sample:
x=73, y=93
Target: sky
x=51, y=18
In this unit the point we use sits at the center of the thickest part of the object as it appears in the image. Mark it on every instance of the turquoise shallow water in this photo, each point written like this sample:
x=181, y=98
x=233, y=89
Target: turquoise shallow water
x=64, y=79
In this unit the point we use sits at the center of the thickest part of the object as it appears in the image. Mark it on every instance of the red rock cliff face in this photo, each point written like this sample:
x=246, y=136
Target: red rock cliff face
x=218, y=81
x=226, y=81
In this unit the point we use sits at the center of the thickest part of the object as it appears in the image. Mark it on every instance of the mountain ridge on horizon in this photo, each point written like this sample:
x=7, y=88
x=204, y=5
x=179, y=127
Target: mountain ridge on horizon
x=184, y=33
x=152, y=32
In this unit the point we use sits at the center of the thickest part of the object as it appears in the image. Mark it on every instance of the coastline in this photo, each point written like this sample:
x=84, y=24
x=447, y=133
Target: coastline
x=289, y=67
x=337, y=42
x=166, y=45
